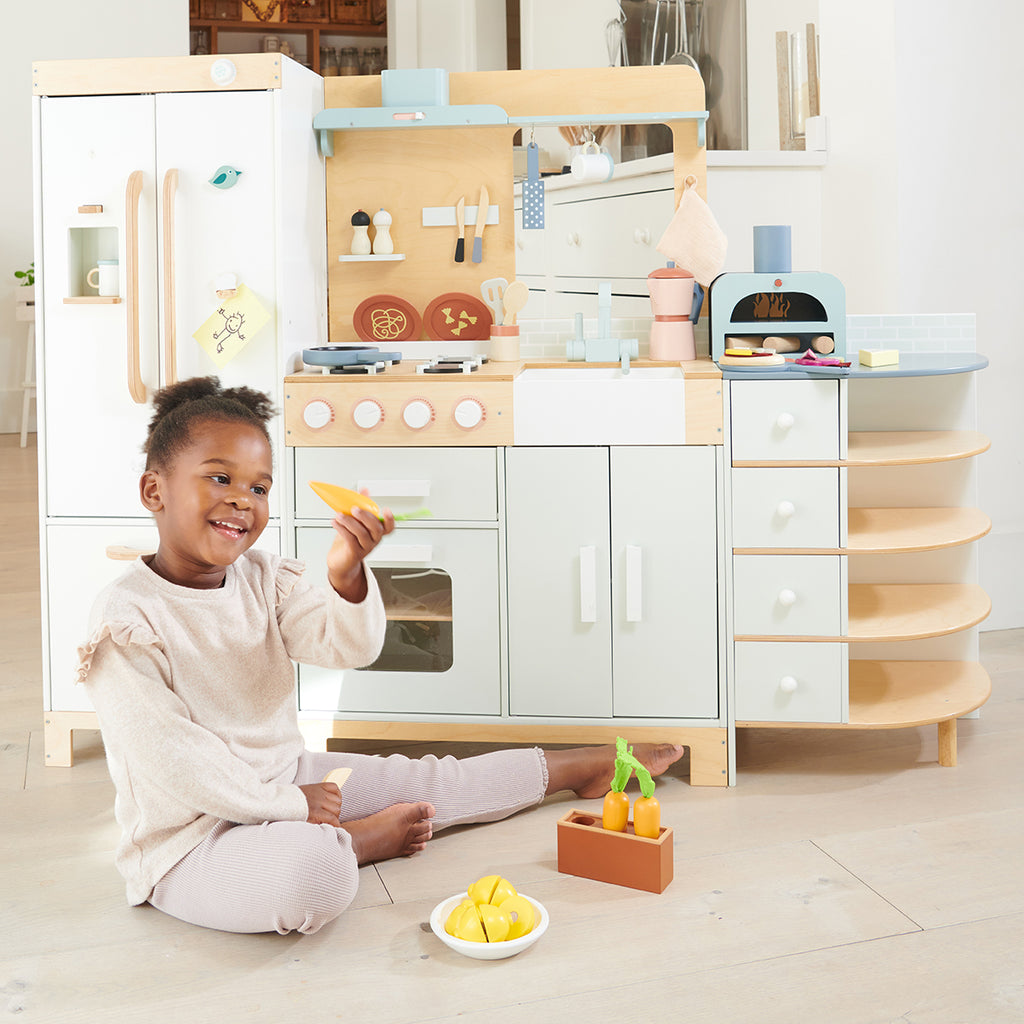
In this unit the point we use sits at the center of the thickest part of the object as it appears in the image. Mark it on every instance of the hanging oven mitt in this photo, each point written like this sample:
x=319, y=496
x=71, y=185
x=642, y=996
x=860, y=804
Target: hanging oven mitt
x=533, y=190
x=693, y=238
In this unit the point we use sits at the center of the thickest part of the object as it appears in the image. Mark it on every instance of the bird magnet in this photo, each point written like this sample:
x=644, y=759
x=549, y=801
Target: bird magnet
x=232, y=326
x=225, y=177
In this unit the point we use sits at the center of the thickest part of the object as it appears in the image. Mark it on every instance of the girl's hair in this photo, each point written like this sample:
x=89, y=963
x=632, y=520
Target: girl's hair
x=178, y=408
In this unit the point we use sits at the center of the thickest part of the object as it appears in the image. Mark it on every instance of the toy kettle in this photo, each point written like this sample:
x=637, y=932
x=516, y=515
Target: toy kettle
x=671, y=291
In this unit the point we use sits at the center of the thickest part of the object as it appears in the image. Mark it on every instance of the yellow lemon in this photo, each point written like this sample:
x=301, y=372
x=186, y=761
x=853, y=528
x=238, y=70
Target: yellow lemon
x=502, y=891
x=521, y=914
x=495, y=921
x=449, y=925
x=468, y=925
x=483, y=888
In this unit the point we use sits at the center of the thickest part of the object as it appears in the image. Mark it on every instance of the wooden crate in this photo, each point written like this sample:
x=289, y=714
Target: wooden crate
x=221, y=10
x=309, y=11
x=350, y=12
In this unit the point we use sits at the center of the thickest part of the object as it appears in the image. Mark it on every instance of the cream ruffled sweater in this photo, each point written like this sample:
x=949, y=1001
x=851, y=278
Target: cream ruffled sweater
x=195, y=692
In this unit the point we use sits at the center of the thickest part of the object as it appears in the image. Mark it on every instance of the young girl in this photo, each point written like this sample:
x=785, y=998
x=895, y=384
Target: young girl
x=225, y=819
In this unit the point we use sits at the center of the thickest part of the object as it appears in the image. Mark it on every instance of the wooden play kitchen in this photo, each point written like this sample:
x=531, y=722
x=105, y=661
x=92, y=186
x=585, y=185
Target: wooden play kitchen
x=796, y=551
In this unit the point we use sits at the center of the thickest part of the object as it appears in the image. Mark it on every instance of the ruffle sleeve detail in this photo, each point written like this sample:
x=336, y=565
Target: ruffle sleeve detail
x=122, y=633
x=289, y=572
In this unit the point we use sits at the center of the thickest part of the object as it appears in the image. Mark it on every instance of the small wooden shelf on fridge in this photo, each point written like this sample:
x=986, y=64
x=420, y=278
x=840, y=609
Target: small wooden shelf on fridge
x=92, y=300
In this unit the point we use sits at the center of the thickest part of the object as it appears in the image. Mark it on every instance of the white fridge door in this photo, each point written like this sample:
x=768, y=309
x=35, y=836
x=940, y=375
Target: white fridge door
x=90, y=149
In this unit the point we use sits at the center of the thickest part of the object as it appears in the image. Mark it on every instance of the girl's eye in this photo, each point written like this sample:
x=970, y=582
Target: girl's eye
x=260, y=490
x=220, y=478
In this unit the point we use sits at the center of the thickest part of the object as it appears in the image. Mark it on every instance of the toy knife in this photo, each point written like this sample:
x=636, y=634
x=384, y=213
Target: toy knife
x=460, y=220
x=481, y=222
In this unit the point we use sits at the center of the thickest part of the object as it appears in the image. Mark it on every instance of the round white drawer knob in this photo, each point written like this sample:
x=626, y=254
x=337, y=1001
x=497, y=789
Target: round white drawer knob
x=787, y=684
x=787, y=598
x=785, y=509
x=317, y=414
x=641, y=236
x=418, y=413
x=785, y=420
x=367, y=414
x=469, y=413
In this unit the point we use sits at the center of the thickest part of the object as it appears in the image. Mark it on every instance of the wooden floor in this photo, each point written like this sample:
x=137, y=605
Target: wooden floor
x=847, y=879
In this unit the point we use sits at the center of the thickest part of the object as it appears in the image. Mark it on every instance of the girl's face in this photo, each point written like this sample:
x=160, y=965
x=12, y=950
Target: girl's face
x=211, y=504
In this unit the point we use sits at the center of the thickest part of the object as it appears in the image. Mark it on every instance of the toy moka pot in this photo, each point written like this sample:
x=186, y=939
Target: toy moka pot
x=671, y=290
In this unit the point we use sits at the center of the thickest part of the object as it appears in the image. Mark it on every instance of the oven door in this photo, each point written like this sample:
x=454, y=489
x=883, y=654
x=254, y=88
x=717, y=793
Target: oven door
x=441, y=651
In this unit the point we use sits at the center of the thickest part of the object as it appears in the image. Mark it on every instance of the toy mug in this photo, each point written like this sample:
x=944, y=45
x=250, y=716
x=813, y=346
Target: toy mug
x=592, y=164
x=107, y=280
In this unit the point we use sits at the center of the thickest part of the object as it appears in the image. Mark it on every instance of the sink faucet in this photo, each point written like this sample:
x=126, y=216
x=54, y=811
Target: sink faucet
x=603, y=348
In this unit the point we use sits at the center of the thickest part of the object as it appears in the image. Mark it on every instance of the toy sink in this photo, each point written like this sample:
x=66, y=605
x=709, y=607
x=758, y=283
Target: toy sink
x=589, y=405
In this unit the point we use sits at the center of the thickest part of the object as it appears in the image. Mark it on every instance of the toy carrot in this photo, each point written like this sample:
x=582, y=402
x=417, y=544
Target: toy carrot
x=646, y=809
x=616, y=803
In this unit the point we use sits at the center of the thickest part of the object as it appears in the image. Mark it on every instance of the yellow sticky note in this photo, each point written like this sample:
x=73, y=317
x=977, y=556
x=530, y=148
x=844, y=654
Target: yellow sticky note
x=230, y=328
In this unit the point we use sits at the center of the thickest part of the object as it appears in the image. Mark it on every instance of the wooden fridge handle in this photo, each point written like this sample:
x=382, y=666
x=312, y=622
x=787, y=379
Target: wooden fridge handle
x=136, y=388
x=170, y=327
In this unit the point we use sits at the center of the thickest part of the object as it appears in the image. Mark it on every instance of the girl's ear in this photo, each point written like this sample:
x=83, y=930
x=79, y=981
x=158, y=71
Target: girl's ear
x=150, y=490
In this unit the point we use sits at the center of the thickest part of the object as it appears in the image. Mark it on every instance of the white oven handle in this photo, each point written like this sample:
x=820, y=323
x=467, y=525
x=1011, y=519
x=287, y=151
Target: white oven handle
x=395, y=488
x=421, y=554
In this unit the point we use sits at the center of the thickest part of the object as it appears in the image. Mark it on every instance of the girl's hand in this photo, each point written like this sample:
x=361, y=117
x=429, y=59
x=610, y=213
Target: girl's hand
x=357, y=535
x=324, y=802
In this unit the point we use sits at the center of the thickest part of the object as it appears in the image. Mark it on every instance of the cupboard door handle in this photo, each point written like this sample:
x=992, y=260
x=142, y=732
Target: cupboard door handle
x=634, y=583
x=133, y=193
x=395, y=488
x=421, y=554
x=785, y=509
x=588, y=583
x=785, y=421
x=170, y=327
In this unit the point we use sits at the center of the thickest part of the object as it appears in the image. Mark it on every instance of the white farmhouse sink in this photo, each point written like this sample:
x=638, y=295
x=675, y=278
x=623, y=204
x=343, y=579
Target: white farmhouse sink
x=599, y=405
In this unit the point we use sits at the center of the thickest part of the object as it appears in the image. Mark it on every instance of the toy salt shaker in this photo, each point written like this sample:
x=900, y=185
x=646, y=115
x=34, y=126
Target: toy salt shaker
x=383, y=245
x=361, y=245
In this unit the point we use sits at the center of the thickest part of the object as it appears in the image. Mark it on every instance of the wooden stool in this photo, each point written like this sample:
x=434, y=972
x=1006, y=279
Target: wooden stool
x=25, y=312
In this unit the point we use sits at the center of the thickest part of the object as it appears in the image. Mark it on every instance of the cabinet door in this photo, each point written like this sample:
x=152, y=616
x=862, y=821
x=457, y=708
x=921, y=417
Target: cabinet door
x=442, y=646
x=93, y=430
x=664, y=582
x=559, y=605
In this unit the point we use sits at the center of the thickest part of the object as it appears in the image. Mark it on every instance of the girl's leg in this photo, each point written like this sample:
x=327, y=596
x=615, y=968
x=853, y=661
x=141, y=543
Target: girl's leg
x=279, y=876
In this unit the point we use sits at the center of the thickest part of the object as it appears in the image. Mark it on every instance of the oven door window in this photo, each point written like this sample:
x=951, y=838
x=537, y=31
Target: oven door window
x=418, y=636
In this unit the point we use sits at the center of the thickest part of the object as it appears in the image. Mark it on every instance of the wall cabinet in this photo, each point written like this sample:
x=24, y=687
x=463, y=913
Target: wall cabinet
x=612, y=604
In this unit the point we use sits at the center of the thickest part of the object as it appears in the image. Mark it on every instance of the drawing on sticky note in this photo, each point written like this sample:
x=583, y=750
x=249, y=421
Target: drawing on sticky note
x=231, y=326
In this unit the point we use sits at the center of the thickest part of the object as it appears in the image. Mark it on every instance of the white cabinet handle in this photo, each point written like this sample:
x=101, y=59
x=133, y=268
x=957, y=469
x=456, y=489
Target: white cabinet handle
x=395, y=488
x=634, y=583
x=785, y=420
x=641, y=236
x=421, y=554
x=787, y=684
x=787, y=597
x=588, y=583
x=785, y=509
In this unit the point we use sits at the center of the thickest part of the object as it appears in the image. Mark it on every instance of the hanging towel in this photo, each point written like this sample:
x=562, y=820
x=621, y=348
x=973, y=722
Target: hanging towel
x=693, y=238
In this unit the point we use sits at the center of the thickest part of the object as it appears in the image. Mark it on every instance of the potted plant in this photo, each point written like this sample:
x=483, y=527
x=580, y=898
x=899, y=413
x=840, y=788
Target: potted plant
x=26, y=295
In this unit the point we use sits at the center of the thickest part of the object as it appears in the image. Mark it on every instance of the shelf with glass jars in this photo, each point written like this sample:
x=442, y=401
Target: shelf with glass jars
x=325, y=35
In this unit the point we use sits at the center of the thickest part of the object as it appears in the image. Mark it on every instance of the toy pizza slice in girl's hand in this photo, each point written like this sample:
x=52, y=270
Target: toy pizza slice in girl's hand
x=344, y=501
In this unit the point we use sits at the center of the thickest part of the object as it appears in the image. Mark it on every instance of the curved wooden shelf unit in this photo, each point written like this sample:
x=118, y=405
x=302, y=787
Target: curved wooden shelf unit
x=891, y=530
x=899, y=694
x=913, y=611
x=912, y=447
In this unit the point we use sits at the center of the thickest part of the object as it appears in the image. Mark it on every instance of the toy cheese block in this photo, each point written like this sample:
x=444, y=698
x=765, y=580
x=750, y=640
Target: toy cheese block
x=789, y=312
x=589, y=850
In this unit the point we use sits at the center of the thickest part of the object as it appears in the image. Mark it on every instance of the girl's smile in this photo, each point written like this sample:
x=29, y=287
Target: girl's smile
x=211, y=504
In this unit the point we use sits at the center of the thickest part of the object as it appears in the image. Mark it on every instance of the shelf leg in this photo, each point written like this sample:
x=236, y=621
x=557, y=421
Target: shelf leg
x=947, y=743
x=58, y=742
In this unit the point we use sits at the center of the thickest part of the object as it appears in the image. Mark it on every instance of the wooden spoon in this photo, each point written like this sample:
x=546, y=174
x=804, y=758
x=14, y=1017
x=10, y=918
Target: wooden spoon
x=514, y=299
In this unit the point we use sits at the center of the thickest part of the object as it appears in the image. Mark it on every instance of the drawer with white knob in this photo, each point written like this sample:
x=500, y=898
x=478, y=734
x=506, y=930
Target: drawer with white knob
x=786, y=420
x=788, y=508
x=454, y=483
x=790, y=682
x=789, y=595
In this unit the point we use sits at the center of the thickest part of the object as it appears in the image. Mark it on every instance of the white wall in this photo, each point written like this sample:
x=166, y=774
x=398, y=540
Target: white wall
x=55, y=30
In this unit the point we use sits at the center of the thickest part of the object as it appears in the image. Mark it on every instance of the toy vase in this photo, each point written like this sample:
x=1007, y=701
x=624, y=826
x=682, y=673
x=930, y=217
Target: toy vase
x=671, y=291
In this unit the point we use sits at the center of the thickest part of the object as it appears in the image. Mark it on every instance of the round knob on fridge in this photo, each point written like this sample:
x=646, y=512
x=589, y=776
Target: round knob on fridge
x=785, y=509
x=642, y=236
x=418, y=413
x=223, y=71
x=317, y=414
x=469, y=413
x=368, y=414
x=787, y=684
x=787, y=597
x=785, y=421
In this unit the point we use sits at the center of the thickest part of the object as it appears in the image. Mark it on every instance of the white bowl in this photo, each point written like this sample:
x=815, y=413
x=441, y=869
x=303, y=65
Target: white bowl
x=485, y=950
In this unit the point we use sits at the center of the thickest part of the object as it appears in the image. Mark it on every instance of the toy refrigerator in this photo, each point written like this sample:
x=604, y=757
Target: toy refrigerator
x=180, y=231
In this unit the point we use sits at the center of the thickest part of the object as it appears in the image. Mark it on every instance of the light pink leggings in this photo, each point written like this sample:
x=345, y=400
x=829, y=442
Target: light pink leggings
x=291, y=875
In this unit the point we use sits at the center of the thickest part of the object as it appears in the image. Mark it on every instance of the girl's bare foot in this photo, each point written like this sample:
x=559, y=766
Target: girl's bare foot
x=587, y=771
x=398, y=831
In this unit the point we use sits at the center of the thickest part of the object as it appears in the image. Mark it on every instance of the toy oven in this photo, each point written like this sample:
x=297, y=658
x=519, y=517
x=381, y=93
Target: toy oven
x=746, y=309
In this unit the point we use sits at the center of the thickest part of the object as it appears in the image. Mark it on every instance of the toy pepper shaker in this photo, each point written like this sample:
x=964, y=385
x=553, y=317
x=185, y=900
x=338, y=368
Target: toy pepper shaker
x=361, y=245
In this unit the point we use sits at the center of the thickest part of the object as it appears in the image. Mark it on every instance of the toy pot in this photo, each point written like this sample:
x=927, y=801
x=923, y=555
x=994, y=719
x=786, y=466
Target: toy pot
x=671, y=291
